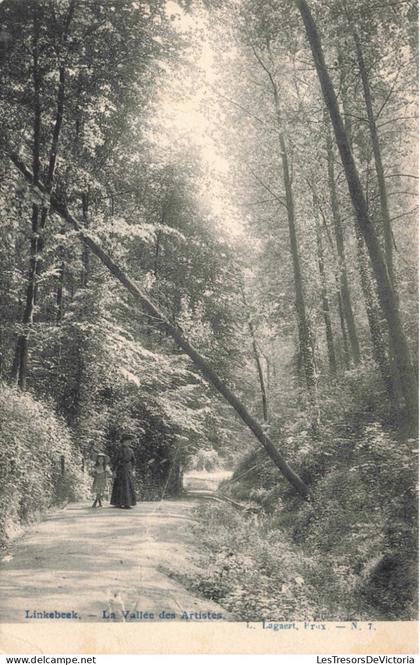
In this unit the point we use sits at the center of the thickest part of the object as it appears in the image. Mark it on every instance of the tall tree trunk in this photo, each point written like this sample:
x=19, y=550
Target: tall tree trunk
x=390, y=372
x=19, y=369
x=82, y=393
x=51, y=166
x=60, y=293
x=257, y=358
x=304, y=331
x=157, y=250
x=332, y=361
x=339, y=239
x=382, y=354
x=305, y=356
x=305, y=336
x=373, y=314
x=39, y=216
x=384, y=287
x=386, y=217
x=306, y=345
x=173, y=331
x=85, y=253
x=346, y=350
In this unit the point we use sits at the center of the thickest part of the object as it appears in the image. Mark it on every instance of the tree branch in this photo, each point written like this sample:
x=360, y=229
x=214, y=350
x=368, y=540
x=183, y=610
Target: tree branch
x=268, y=189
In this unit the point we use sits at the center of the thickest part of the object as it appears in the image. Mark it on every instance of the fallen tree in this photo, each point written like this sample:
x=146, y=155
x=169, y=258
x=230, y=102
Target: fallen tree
x=160, y=321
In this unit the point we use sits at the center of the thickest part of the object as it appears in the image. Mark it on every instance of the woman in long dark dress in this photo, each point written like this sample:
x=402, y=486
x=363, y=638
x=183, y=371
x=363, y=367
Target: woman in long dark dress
x=123, y=493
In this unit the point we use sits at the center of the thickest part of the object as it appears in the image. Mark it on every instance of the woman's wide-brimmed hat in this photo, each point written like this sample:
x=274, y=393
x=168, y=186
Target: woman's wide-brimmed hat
x=126, y=438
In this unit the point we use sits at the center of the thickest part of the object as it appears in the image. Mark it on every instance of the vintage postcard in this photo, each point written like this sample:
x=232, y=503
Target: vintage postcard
x=208, y=326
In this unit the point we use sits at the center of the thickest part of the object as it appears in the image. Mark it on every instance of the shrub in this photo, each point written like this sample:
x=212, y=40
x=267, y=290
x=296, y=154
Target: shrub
x=32, y=442
x=354, y=544
x=256, y=572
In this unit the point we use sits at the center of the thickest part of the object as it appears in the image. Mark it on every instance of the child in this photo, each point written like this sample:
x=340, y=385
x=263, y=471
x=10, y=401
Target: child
x=101, y=474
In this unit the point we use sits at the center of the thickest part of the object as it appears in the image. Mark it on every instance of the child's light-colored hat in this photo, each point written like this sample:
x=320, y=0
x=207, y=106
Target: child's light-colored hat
x=106, y=458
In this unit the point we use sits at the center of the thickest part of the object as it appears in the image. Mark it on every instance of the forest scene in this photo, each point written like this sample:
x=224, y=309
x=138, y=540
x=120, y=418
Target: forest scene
x=208, y=249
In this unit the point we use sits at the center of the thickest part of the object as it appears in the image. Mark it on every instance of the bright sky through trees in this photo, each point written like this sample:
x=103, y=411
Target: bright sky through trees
x=189, y=114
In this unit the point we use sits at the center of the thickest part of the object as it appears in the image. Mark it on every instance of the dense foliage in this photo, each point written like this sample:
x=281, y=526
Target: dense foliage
x=258, y=186
x=40, y=465
x=357, y=538
x=80, y=88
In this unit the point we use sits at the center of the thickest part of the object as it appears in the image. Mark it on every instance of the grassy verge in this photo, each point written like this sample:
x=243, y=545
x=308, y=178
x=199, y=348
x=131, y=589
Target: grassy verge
x=256, y=572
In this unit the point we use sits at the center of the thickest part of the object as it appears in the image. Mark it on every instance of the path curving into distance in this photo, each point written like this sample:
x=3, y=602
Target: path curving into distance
x=103, y=565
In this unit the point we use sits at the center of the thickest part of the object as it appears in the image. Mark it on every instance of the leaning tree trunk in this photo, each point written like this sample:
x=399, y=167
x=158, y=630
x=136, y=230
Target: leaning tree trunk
x=176, y=333
x=385, y=290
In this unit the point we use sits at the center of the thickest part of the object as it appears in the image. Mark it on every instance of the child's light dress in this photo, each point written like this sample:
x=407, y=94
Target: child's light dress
x=100, y=486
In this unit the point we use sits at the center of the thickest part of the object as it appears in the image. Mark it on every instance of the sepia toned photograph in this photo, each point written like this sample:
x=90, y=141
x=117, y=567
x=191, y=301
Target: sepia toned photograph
x=209, y=323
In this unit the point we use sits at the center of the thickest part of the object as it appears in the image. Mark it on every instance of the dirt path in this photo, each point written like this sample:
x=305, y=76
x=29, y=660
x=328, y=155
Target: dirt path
x=102, y=563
